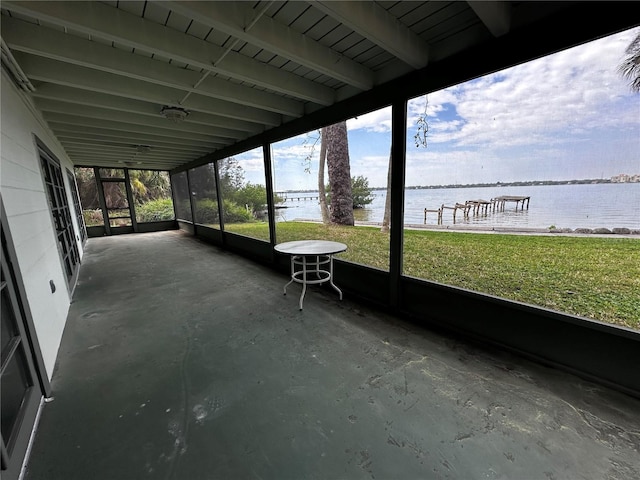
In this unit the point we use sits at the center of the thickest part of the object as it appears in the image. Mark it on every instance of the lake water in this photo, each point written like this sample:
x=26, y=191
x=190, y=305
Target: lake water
x=607, y=205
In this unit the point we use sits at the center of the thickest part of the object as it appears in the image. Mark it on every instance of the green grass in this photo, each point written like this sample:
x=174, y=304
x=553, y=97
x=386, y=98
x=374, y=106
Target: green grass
x=597, y=278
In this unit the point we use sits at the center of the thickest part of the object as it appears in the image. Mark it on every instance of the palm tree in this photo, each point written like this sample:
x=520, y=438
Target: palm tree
x=339, y=170
x=630, y=67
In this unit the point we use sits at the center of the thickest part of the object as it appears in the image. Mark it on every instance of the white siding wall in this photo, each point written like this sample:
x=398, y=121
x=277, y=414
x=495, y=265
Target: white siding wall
x=29, y=217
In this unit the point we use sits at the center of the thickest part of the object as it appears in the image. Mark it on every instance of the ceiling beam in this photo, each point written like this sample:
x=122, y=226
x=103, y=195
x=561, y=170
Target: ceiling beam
x=89, y=139
x=376, y=24
x=30, y=38
x=112, y=153
x=131, y=153
x=52, y=91
x=104, y=21
x=495, y=14
x=60, y=128
x=237, y=19
x=130, y=127
x=47, y=105
x=75, y=144
x=81, y=161
x=47, y=70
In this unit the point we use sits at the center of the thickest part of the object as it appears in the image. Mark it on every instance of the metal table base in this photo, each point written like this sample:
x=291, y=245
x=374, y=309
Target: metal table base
x=311, y=262
x=310, y=270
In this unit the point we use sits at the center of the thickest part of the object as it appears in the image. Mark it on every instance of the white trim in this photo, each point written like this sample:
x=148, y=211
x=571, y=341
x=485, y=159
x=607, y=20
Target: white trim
x=32, y=437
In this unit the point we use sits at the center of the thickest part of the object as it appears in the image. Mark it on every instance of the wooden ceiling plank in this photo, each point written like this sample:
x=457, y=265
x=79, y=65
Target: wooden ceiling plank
x=237, y=19
x=130, y=127
x=63, y=93
x=47, y=105
x=119, y=26
x=375, y=23
x=47, y=70
x=496, y=15
x=65, y=128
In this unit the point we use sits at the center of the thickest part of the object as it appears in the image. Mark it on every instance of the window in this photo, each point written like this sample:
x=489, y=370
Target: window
x=299, y=180
x=76, y=206
x=517, y=175
x=151, y=192
x=61, y=214
x=204, y=195
x=181, y=196
x=244, y=194
x=89, y=197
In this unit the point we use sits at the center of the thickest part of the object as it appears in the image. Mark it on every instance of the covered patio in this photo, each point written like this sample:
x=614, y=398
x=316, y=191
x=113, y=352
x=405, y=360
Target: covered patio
x=184, y=361
x=165, y=349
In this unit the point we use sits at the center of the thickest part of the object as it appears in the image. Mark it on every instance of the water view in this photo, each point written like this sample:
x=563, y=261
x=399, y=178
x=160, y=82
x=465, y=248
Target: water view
x=605, y=205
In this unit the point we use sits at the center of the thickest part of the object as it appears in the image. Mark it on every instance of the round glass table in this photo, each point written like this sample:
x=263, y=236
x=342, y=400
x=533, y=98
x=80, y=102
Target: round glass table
x=311, y=262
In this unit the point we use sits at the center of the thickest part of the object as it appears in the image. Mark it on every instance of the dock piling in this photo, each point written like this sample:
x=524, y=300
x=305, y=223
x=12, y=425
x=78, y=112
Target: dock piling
x=479, y=206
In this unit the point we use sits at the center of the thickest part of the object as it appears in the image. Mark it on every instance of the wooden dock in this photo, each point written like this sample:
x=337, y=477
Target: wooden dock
x=479, y=207
x=499, y=202
x=285, y=196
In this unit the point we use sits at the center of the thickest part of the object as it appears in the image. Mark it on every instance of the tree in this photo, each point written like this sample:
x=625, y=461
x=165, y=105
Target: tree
x=204, y=182
x=87, y=188
x=252, y=195
x=146, y=185
x=630, y=67
x=240, y=196
x=231, y=176
x=360, y=192
x=339, y=170
x=149, y=185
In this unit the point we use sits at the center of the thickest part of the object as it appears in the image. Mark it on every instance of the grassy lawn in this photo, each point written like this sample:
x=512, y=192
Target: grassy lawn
x=597, y=278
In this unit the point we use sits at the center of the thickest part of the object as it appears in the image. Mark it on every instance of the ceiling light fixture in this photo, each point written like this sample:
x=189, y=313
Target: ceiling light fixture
x=175, y=114
x=129, y=163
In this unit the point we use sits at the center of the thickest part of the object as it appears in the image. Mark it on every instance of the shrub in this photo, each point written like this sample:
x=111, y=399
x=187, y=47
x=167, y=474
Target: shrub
x=207, y=211
x=360, y=191
x=93, y=217
x=255, y=196
x=234, y=213
x=155, y=210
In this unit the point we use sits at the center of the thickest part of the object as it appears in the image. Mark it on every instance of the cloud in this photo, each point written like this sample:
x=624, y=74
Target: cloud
x=573, y=92
x=376, y=121
x=567, y=115
x=251, y=162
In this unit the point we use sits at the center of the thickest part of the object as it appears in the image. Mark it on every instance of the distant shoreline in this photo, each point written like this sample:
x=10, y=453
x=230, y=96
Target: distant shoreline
x=529, y=183
x=532, y=183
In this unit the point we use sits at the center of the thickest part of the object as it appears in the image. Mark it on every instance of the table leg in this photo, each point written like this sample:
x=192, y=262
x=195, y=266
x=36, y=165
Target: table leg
x=304, y=279
x=331, y=276
x=292, y=272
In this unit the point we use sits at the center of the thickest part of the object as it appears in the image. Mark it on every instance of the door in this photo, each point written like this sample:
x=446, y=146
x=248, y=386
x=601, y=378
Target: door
x=20, y=390
x=61, y=214
x=77, y=206
x=118, y=200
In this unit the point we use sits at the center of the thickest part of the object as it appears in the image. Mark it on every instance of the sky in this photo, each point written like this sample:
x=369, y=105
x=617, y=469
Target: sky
x=567, y=116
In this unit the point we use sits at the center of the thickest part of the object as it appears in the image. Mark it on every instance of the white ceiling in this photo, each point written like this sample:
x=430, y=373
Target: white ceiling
x=101, y=72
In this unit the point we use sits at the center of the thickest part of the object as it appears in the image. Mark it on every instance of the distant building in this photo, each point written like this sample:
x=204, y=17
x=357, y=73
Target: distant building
x=624, y=178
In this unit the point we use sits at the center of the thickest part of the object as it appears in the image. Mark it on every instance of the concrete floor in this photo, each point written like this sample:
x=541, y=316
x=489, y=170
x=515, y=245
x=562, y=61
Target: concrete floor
x=181, y=361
